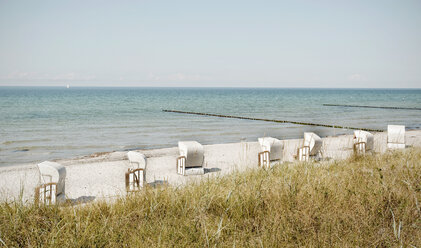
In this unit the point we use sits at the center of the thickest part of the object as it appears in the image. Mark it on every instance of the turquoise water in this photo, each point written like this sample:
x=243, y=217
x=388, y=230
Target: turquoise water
x=42, y=123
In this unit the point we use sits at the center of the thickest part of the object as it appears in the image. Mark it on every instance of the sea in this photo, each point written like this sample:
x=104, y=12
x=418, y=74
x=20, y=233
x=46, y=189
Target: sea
x=47, y=123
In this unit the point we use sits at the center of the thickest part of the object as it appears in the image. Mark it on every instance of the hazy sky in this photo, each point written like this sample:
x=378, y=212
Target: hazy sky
x=211, y=43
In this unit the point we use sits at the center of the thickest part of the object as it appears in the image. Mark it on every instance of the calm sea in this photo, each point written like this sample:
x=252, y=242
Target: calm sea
x=43, y=123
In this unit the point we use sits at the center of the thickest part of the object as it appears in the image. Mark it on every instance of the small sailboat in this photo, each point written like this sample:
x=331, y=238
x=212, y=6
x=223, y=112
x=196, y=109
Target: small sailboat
x=67, y=86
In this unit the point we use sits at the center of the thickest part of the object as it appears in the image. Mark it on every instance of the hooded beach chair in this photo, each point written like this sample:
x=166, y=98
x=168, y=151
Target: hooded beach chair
x=190, y=161
x=51, y=187
x=271, y=152
x=363, y=142
x=312, y=145
x=136, y=174
x=395, y=137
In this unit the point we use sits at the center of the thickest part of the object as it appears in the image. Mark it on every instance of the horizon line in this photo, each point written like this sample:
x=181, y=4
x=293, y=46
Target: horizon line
x=198, y=87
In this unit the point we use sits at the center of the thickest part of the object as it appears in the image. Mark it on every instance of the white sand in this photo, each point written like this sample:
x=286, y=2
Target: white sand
x=101, y=176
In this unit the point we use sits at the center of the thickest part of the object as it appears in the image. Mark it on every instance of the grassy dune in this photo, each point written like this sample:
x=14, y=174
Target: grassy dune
x=363, y=201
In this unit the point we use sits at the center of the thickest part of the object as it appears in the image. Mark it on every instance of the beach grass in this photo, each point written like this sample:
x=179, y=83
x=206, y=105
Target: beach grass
x=363, y=201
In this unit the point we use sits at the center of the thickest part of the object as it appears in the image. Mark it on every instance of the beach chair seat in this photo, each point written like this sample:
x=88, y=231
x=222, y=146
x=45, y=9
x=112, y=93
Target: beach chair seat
x=47, y=194
x=363, y=142
x=135, y=176
x=271, y=152
x=51, y=186
x=190, y=161
x=311, y=148
x=395, y=137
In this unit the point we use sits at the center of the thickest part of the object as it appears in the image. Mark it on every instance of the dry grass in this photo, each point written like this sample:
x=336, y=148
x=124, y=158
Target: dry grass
x=363, y=201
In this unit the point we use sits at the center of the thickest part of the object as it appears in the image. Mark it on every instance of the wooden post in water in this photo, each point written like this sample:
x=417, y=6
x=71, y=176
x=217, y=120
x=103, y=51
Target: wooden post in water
x=365, y=106
x=269, y=120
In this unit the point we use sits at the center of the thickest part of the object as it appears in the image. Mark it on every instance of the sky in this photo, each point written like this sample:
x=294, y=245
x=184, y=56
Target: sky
x=323, y=44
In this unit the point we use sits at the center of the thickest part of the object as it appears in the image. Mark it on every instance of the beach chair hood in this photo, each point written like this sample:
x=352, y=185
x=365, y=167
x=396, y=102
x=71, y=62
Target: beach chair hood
x=366, y=137
x=396, y=134
x=52, y=172
x=138, y=159
x=193, y=151
x=313, y=141
x=273, y=146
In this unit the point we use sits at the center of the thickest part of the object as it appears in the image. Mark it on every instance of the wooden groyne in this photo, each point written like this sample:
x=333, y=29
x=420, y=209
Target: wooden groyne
x=269, y=120
x=365, y=106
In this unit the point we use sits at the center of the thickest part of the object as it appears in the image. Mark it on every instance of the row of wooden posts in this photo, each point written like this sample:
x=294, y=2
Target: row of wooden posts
x=271, y=120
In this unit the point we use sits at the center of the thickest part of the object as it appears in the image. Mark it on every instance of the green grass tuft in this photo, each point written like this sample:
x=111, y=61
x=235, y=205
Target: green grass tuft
x=362, y=201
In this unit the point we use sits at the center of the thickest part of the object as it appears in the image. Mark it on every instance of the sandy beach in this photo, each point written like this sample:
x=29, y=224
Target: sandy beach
x=101, y=176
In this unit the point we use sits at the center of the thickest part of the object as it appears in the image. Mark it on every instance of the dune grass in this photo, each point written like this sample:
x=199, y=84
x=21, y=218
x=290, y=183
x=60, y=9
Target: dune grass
x=362, y=201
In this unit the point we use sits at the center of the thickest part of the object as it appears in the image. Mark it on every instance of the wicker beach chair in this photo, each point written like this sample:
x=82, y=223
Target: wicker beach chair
x=311, y=148
x=51, y=186
x=395, y=137
x=190, y=161
x=135, y=177
x=271, y=152
x=363, y=142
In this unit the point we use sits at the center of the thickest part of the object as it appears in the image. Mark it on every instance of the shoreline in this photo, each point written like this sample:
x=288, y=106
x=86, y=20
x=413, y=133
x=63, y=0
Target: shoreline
x=115, y=155
x=101, y=175
x=87, y=155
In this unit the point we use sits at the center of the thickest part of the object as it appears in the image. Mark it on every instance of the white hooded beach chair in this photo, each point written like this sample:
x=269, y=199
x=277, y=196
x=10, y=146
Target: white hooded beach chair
x=395, y=137
x=271, y=152
x=51, y=187
x=312, y=145
x=363, y=141
x=191, y=158
x=136, y=174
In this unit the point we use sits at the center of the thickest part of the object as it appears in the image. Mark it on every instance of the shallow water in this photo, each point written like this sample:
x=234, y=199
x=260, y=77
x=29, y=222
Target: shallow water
x=42, y=123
